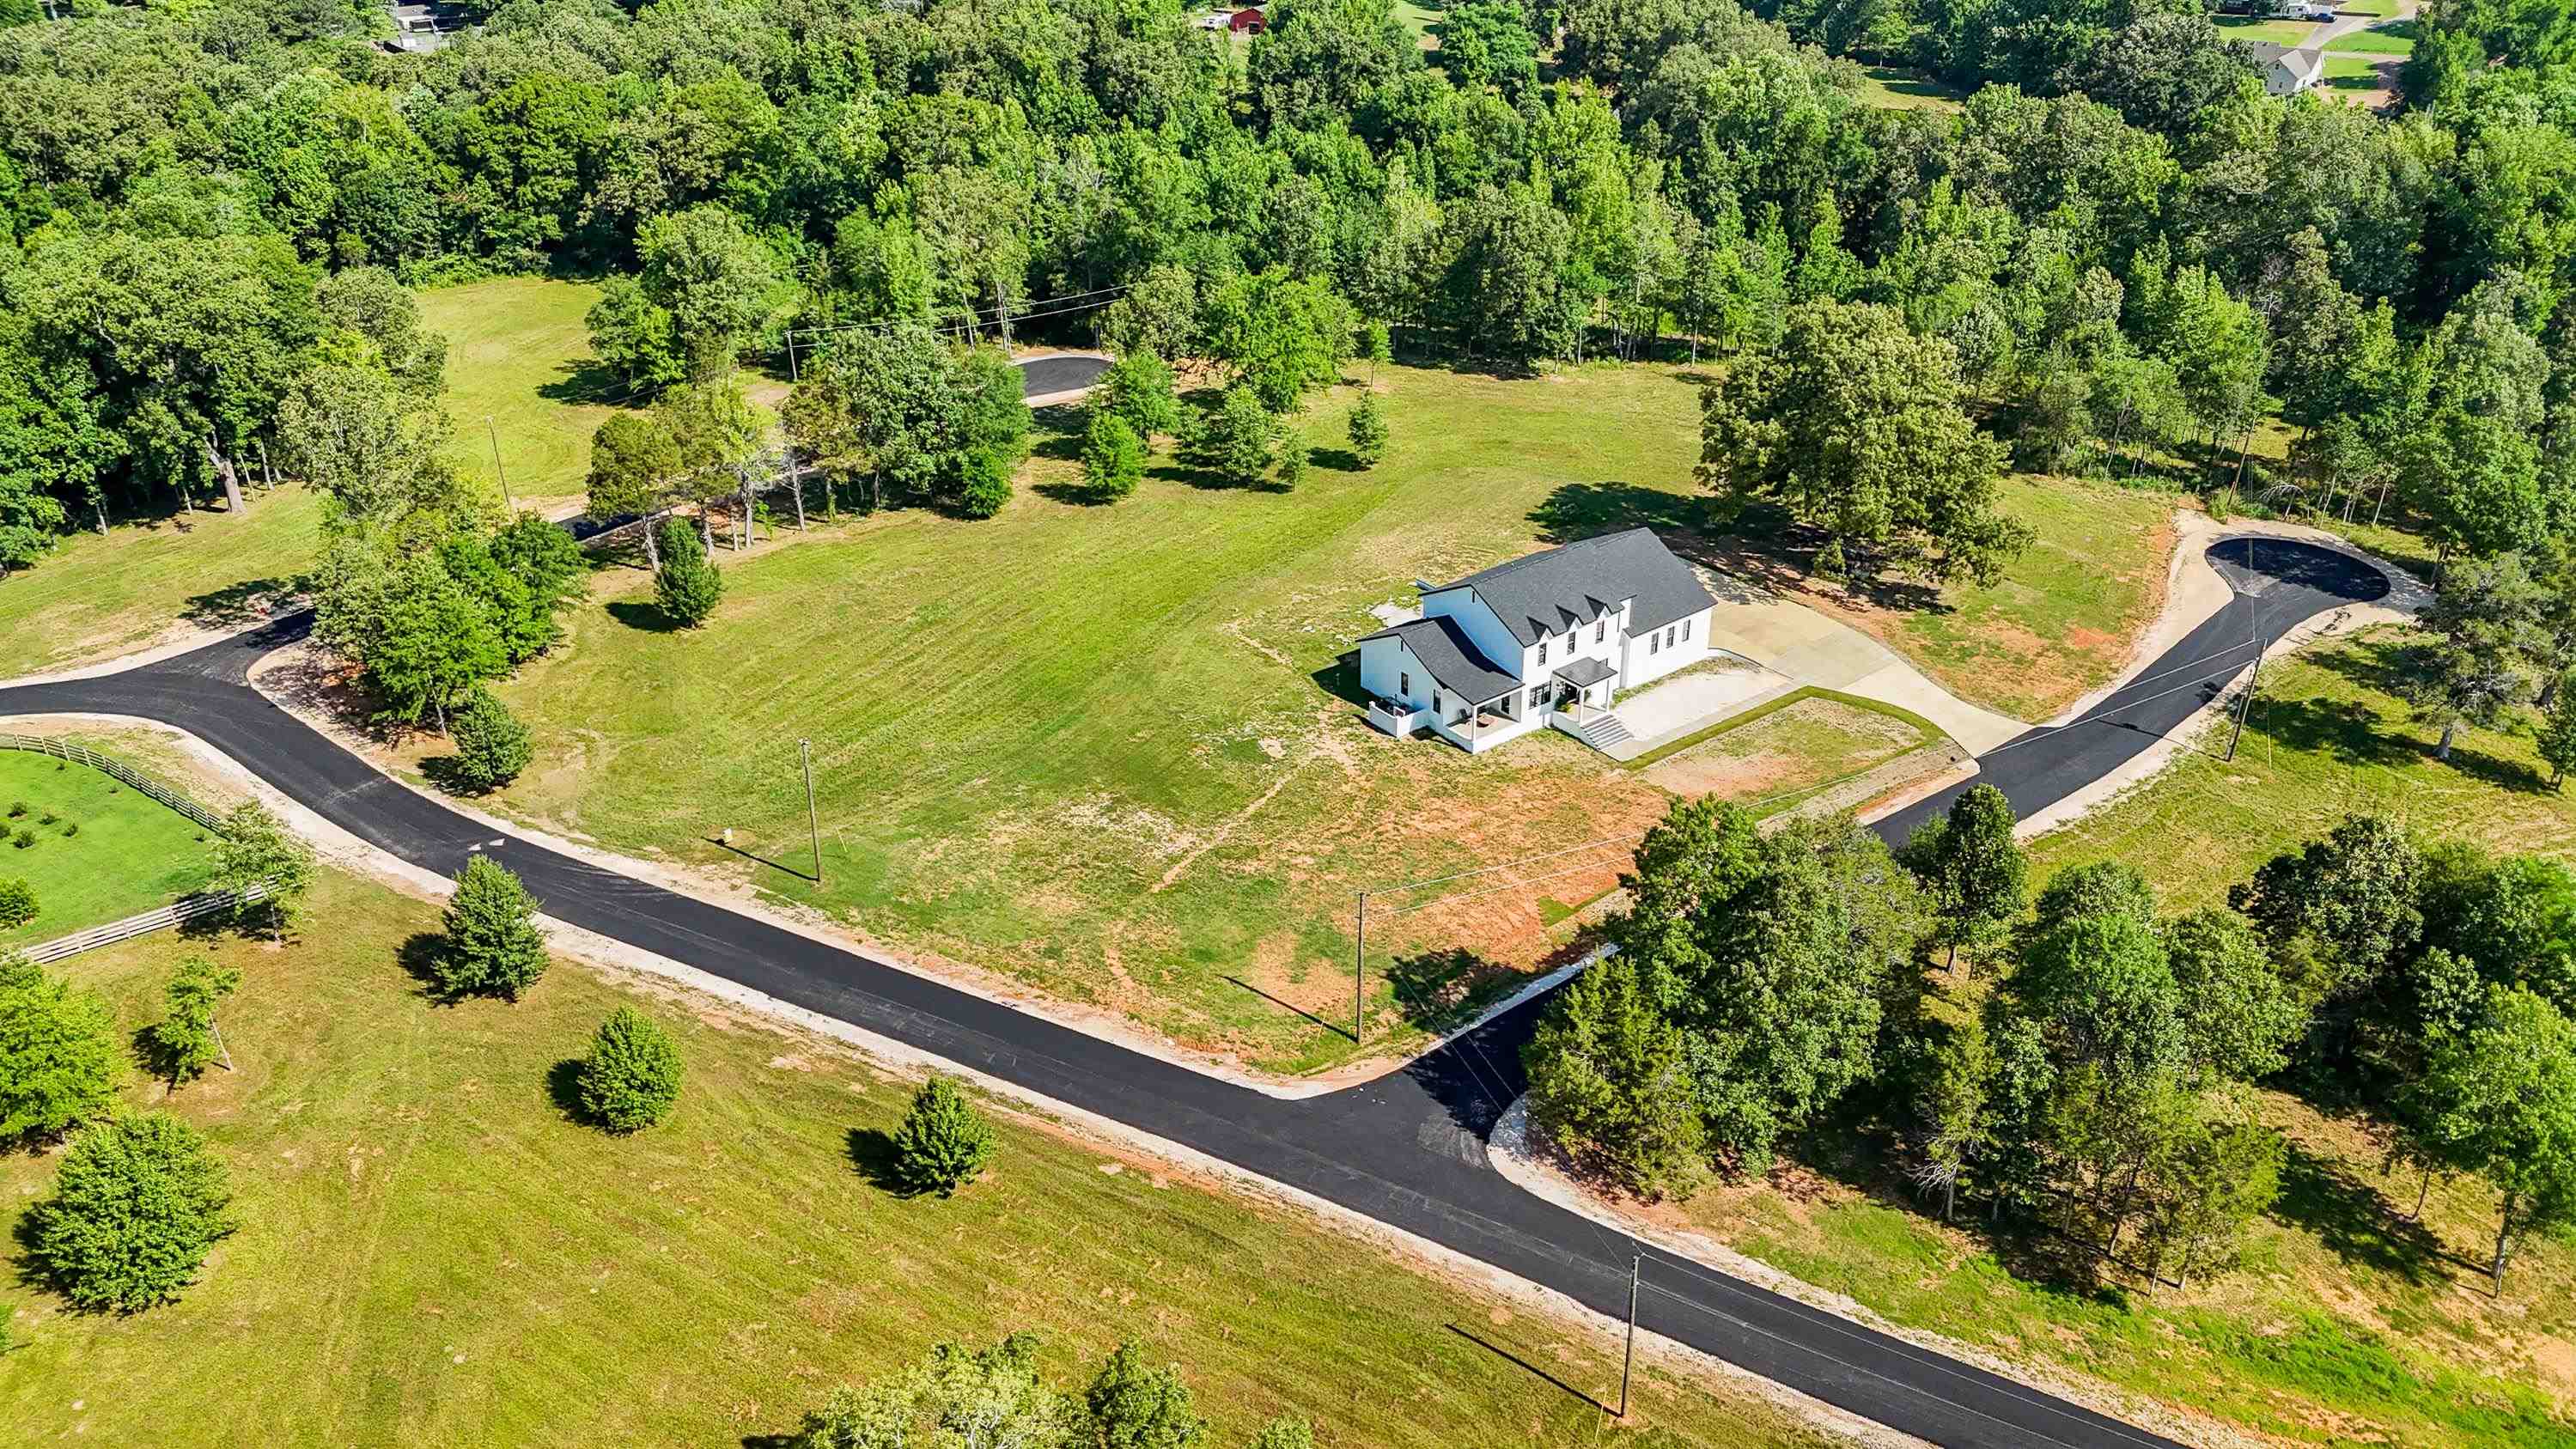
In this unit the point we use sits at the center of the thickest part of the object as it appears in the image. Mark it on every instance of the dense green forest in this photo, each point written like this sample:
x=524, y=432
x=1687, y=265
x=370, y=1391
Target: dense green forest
x=2125, y=244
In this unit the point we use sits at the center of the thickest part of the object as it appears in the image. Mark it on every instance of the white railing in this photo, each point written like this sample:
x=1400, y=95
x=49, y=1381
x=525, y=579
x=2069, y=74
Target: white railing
x=122, y=774
x=178, y=912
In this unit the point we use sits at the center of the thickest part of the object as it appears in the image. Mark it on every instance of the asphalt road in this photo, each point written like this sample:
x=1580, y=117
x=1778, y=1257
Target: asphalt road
x=1059, y=372
x=1407, y=1149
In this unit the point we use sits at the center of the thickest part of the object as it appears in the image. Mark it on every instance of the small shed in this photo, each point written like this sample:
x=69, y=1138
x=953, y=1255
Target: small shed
x=1247, y=22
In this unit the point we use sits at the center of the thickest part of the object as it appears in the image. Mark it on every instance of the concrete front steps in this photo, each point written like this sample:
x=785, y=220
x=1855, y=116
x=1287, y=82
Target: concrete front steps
x=1602, y=732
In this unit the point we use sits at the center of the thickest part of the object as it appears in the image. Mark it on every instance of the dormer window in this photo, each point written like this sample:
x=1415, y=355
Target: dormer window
x=1542, y=651
x=1600, y=627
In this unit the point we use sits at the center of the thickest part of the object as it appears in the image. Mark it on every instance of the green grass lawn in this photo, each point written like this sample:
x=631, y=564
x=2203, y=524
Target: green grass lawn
x=2367, y=7
x=2062, y=621
x=518, y=354
x=131, y=853
x=2351, y=73
x=1776, y=755
x=431, y=1252
x=95, y=597
x=2327, y=735
x=1892, y=89
x=2247, y=29
x=1111, y=750
x=2396, y=39
x=1418, y=18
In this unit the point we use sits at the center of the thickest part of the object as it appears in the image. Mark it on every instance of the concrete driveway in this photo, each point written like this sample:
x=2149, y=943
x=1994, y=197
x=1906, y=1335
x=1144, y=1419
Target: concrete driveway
x=1808, y=647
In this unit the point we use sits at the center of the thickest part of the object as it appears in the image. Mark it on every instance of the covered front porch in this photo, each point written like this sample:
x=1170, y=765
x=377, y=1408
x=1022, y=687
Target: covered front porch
x=1479, y=727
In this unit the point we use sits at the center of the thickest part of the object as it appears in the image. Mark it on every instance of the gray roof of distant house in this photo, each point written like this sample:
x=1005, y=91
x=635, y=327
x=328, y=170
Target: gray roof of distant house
x=1452, y=658
x=1586, y=672
x=1556, y=589
x=2302, y=63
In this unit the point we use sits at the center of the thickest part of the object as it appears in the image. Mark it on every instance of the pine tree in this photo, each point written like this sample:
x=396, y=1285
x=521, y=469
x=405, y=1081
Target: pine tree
x=493, y=944
x=986, y=486
x=687, y=587
x=1113, y=458
x=17, y=904
x=943, y=1141
x=631, y=1078
x=2557, y=741
x=136, y=1207
x=1137, y=1406
x=1368, y=431
x=1292, y=463
x=492, y=747
x=58, y=1053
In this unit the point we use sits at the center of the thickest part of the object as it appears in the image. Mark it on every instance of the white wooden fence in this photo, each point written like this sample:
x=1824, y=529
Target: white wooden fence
x=180, y=911
x=186, y=908
x=122, y=774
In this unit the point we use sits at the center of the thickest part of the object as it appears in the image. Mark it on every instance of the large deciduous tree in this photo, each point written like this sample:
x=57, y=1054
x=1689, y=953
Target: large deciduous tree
x=2501, y=1101
x=1859, y=429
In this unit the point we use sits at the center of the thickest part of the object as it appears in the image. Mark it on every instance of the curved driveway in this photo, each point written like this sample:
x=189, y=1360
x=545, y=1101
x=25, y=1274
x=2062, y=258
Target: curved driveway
x=1407, y=1149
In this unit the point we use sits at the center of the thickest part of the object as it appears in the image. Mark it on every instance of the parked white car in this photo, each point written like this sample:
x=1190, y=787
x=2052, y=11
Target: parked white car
x=2303, y=10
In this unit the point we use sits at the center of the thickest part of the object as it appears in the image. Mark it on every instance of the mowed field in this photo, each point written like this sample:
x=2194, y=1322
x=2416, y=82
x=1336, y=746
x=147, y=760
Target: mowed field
x=127, y=853
x=95, y=597
x=1115, y=752
x=519, y=369
x=432, y=1252
x=1112, y=751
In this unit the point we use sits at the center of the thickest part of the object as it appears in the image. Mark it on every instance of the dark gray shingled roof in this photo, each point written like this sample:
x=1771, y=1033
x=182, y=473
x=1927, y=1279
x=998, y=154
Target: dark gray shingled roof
x=1585, y=672
x=1452, y=658
x=1555, y=589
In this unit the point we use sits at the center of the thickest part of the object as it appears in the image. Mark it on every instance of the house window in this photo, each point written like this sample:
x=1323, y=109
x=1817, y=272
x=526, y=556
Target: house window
x=1542, y=651
x=1668, y=636
x=1654, y=642
x=1404, y=687
x=1686, y=628
x=1435, y=701
x=1600, y=627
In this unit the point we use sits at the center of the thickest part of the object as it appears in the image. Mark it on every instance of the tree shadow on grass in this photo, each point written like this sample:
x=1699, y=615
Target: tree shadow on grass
x=418, y=956
x=1435, y=987
x=2352, y=1218
x=447, y=772
x=1340, y=460
x=584, y=380
x=563, y=1089
x=1576, y=511
x=1075, y=492
x=2347, y=731
x=235, y=604
x=1205, y=479
x=872, y=1152
x=645, y=616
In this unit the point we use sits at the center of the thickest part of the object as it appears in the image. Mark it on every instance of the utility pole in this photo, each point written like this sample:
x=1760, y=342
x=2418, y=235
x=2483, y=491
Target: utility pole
x=2245, y=706
x=813, y=822
x=1359, y=978
x=792, y=375
x=1628, y=1361
x=493, y=429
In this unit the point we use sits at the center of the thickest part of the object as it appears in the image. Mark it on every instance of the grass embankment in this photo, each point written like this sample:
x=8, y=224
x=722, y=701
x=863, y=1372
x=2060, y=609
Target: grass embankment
x=1112, y=750
x=2346, y=1324
x=518, y=354
x=130, y=853
x=96, y=597
x=444, y=1257
x=1778, y=752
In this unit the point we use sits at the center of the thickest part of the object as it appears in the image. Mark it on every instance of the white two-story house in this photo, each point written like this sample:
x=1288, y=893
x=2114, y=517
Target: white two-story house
x=1530, y=642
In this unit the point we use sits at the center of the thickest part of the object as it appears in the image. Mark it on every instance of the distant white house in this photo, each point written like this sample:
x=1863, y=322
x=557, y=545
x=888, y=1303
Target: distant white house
x=2292, y=71
x=1536, y=641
